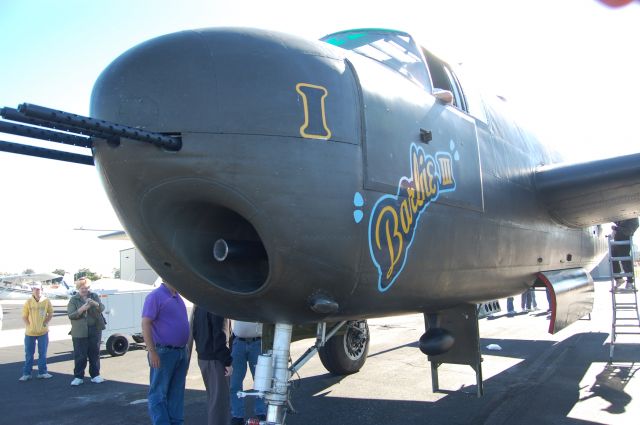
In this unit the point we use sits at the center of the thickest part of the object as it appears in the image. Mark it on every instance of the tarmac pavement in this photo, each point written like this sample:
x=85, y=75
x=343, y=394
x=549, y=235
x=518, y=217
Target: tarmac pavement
x=535, y=378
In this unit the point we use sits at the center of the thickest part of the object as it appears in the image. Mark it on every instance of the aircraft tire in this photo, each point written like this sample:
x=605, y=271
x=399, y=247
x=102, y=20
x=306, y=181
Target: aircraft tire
x=345, y=353
x=117, y=345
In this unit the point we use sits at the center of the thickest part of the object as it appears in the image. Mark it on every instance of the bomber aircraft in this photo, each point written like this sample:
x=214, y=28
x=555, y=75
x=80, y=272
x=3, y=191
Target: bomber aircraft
x=315, y=184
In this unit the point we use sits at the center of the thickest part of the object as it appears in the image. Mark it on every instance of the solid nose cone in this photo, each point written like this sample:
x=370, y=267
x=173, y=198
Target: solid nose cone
x=228, y=80
x=262, y=116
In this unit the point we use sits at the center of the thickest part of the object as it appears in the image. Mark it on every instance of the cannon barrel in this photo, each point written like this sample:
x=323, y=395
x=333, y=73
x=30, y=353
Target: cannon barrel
x=229, y=250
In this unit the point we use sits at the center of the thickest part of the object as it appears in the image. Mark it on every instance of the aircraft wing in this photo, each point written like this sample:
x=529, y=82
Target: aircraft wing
x=119, y=235
x=30, y=277
x=595, y=192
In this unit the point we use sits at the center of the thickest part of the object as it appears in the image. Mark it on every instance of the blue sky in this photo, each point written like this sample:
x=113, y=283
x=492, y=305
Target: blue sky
x=569, y=67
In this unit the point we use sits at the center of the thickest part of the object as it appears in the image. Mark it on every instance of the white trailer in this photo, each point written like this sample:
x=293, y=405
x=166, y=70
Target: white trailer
x=123, y=301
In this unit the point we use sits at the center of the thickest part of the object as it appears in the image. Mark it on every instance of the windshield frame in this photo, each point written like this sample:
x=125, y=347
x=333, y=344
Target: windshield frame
x=397, y=50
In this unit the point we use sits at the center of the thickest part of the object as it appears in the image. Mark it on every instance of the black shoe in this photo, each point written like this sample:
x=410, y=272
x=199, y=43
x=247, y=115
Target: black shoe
x=237, y=421
x=261, y=417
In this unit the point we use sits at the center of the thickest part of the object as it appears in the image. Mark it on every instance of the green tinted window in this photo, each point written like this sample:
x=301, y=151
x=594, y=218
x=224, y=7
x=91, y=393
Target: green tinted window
x=394, y=49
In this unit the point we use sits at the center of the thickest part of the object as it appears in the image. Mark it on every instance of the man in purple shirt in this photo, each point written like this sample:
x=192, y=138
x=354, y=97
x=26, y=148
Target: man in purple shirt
x=165, y=328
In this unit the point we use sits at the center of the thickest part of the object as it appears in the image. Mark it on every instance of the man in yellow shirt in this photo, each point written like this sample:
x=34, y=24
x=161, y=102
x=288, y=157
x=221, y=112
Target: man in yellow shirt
x=36, y=314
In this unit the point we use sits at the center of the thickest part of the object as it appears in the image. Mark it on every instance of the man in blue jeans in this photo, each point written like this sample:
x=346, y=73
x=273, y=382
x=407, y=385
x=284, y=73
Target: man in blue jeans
x=165, y=328
x=36, y=314
x=247, y=346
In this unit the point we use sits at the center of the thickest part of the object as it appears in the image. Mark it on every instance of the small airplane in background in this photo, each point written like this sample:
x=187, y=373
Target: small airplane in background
x=315, y=184
x=18, y=287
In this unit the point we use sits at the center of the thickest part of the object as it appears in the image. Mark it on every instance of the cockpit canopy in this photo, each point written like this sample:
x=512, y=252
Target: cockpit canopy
x=399, y=51
x=395, y=49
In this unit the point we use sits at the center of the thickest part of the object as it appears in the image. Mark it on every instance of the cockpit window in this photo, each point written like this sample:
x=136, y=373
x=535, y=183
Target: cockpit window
x=395, y=49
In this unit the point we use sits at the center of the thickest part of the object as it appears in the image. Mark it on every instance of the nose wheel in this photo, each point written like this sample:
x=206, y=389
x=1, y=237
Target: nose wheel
x=346, y=353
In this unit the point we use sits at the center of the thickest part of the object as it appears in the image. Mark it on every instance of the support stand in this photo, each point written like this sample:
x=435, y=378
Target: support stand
x=462, y=322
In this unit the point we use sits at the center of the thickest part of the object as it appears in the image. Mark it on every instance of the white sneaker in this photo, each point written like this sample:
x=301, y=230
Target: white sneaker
x=77, y=381
x=44, y=376
x=24, y=378
x=97, y=379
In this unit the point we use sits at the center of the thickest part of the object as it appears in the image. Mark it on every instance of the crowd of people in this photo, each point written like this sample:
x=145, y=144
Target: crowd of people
x=223, y=351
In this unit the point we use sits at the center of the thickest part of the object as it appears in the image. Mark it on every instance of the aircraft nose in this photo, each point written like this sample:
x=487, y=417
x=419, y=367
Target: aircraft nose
x=231, y=81
x=235, y=213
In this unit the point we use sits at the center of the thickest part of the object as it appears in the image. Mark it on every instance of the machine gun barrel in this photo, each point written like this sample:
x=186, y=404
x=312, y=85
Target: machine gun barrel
x=39, y=133
x=45, y=153
x=70, y=129
x=12, y=114
x=93, y=124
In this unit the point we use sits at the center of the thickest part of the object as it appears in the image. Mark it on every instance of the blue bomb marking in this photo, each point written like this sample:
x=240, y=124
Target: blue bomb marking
x=394, y=218
x=358, y=202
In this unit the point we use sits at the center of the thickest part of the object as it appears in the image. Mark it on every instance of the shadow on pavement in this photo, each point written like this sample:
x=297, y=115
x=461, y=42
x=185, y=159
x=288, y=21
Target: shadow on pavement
x=541, y=389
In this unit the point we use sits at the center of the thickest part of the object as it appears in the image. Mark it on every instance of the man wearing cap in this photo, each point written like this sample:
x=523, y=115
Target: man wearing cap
x=36, y=314
x=165, y=328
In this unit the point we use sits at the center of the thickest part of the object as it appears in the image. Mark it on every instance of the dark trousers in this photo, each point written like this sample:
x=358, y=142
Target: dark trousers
x=217, y=385
x=84, y=348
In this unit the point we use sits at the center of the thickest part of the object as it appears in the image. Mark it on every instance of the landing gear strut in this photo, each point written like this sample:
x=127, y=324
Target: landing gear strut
x=345, y=353
x=271, y=380
x=277, y=398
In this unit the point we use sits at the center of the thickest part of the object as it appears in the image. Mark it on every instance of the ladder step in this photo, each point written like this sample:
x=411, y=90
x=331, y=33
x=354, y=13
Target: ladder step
x=628, y=242
x=629, y=309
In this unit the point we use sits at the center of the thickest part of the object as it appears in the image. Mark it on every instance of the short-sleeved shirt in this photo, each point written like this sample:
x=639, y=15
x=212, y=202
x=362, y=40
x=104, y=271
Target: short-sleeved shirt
x=246, y=329
x=170, y=324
